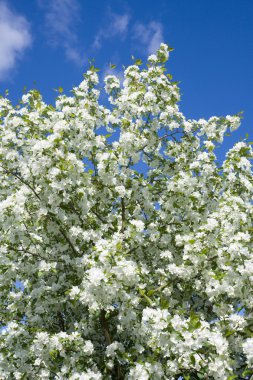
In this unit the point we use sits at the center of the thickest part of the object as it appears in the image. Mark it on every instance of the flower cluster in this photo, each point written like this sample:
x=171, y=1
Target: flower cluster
x=124, y=254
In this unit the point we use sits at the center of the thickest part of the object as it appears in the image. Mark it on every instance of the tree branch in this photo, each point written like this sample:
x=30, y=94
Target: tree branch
x=21, y=180
x=123, y=215
x=37, y=255
x=116, y=371
x=77, y=253
x=102, y=220
x=105, y=327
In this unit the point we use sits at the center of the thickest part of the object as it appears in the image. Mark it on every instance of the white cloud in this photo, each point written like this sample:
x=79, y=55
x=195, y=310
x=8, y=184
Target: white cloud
x=15, y=38
x=120, y=23
x=116, y=25
x=150, y=35
x=61, y=19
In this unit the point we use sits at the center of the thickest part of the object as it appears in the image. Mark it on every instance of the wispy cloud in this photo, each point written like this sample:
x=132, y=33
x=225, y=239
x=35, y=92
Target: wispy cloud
x=119, y=73
x=15, y=38
x=61, y=19
x=149, y=36
x=116, y=25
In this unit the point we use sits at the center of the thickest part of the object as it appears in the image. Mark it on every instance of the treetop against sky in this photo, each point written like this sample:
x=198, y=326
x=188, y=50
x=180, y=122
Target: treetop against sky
x=47, y=45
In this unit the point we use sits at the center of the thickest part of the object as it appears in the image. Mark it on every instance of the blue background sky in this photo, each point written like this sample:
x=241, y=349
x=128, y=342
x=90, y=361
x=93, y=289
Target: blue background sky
x=49, y=42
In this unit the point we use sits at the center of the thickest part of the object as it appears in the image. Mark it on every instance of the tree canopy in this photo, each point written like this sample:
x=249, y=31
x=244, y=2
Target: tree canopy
x=125, y=247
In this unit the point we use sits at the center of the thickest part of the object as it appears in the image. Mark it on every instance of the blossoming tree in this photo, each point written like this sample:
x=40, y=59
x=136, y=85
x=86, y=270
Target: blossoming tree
x=113, y=270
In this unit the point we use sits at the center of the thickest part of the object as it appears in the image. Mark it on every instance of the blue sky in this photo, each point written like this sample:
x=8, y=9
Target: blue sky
x=47, y=44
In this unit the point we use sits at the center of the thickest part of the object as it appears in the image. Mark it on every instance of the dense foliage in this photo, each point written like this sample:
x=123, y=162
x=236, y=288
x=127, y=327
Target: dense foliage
x=126, y=253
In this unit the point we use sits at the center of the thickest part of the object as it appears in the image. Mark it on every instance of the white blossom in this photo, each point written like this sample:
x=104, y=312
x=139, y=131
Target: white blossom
x=125, y=247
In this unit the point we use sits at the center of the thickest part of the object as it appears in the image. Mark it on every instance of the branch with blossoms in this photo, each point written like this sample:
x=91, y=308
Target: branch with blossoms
x=134, y=248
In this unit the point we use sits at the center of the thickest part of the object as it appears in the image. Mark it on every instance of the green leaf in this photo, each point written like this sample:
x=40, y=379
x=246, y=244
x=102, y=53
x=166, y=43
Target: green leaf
x=142, y=292
x=94, y=69
x=125, y=123
x=53, y=354
x=229, y=332
x=60, y=90
x=216, y=277
x=194, y=321
x=164, y=303
x=201, y=376
x=248, y=332
x=193, y=360
x=247, y=372
x=138, y=62
x=119, y=245
x=112, y=66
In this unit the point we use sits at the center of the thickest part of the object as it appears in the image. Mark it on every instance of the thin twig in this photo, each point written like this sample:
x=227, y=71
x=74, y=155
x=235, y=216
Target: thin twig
x=123, y=215
x=21, y=180
x=105, y=327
